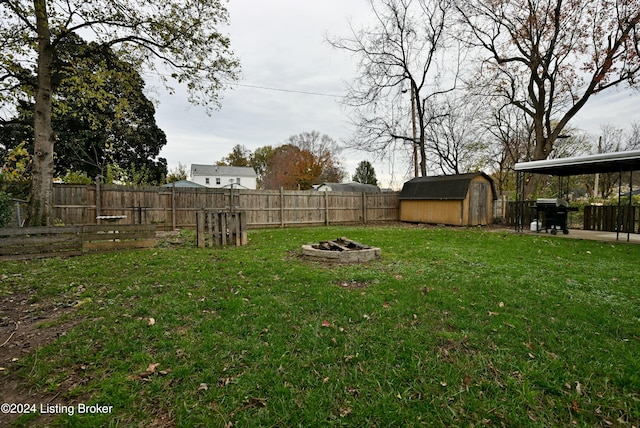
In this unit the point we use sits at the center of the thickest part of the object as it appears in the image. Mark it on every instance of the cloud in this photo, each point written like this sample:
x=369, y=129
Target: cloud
x=281, y=45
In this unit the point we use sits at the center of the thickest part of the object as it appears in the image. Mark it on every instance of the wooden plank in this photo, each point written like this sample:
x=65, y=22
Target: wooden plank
x=118, y=227
x=223, y=228
x=51, y=230
x=118, y=245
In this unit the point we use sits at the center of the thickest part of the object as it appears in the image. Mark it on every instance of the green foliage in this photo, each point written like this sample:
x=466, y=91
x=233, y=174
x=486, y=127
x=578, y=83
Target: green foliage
x=239, y=156
x=131, y=176
x=177, y=174
x=76, y=177
x=100, y=113
x=6, y=209
x=15, y=174
x=365, y=174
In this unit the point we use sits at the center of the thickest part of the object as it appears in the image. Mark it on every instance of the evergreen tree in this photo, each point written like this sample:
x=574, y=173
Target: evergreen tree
x=365, y=174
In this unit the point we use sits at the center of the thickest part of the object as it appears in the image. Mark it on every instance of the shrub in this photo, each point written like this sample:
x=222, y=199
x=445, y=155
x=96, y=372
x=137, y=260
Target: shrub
x=6, y=209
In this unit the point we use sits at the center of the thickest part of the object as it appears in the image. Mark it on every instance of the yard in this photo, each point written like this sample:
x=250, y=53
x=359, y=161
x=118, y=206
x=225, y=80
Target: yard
x=451, y=327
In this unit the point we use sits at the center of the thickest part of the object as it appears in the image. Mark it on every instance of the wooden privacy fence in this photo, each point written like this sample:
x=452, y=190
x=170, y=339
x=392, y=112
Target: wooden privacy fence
x=173, y=207
x=38, y=242
x=18, y=243
x=609, y=218
x=612, y=218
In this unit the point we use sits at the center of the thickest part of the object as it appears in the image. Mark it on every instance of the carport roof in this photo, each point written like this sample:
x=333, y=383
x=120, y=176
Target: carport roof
x=592, y=164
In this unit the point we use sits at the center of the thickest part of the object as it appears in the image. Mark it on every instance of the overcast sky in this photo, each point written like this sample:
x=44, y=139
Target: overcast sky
x=281, y=44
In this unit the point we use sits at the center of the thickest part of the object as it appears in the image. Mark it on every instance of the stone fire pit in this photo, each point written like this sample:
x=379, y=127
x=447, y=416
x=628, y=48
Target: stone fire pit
x=341, y=250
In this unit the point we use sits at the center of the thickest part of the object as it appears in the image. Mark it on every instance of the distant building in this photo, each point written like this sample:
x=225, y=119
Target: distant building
x=224, y=176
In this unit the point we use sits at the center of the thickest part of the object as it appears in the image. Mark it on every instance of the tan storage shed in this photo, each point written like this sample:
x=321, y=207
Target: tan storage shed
x=457, y=200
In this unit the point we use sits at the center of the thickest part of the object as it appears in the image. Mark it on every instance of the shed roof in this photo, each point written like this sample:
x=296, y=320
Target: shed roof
x=226, y=171
x=443, y=187
x=592, y=164
x=349, y=187
x=184, y=183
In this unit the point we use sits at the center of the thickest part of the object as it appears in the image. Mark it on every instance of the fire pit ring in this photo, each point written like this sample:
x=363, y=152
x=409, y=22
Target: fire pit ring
x=341, y=250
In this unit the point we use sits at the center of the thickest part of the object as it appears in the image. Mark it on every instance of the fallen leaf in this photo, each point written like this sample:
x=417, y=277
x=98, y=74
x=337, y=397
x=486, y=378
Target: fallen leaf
x=398, y=276
x=443, y=383
x=203, y=387
x=152, y=321
x=385, y=305
x=491, y=313
x=82, y=302
x=578, y=388
x=345, y=411
x=326, y=323
x=150, y=370
x=501, y=304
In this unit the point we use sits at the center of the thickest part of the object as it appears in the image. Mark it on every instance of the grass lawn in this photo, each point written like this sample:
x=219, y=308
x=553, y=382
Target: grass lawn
x=451, y=327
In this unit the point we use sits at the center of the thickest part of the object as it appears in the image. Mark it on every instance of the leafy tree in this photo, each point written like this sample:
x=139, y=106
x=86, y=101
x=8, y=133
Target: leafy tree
x=291, y=168
x=548, y=58
x=304, y=160
x=260, y=161
x=324, y=152
x=76, y=177
x=16, y=171
x=177, y=174
x=184, y=38
x=239, y=156
x=100, y=112
x=365, y=174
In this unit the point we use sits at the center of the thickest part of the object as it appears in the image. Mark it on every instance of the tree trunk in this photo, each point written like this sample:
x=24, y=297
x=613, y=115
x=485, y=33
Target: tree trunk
x=41, y=198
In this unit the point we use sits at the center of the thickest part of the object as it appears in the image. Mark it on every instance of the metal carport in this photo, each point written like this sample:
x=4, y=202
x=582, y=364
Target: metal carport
x=628, y=161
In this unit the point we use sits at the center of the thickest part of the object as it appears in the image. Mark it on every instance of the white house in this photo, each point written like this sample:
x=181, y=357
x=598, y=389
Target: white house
x=224, y=176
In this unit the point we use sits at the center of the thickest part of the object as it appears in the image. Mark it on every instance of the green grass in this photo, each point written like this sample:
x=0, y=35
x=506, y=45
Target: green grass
x=451, y=327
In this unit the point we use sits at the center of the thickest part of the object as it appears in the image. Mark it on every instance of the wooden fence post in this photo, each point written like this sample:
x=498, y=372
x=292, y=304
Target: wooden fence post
x=98, y=199
x=173, y=207
x=281, y=206
x=200, y=220
x=364, y=208
x=326, y=208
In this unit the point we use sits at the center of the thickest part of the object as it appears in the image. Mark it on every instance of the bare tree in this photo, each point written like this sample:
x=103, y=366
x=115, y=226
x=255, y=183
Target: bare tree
x=454, y=142
x=549, y=57
x=400, y=72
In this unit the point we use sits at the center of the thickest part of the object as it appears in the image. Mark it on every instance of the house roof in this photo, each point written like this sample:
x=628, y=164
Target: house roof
x=184, y=183
x=226, y=171
x=349, y=187
x=600, y=163
x=443, y=187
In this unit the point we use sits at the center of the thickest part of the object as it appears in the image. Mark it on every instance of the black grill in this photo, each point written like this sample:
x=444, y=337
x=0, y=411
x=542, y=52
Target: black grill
x=552, y=214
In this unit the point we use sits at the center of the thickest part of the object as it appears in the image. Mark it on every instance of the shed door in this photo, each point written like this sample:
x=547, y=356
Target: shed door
x=478, y=210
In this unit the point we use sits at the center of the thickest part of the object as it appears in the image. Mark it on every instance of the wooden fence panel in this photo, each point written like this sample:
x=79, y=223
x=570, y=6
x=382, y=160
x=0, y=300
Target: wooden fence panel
x=118, y=236
x=18, y=243
x=170, y=207
x=611, y=219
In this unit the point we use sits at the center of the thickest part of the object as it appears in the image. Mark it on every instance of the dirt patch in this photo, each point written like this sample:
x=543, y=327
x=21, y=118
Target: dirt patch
x=25, y=326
